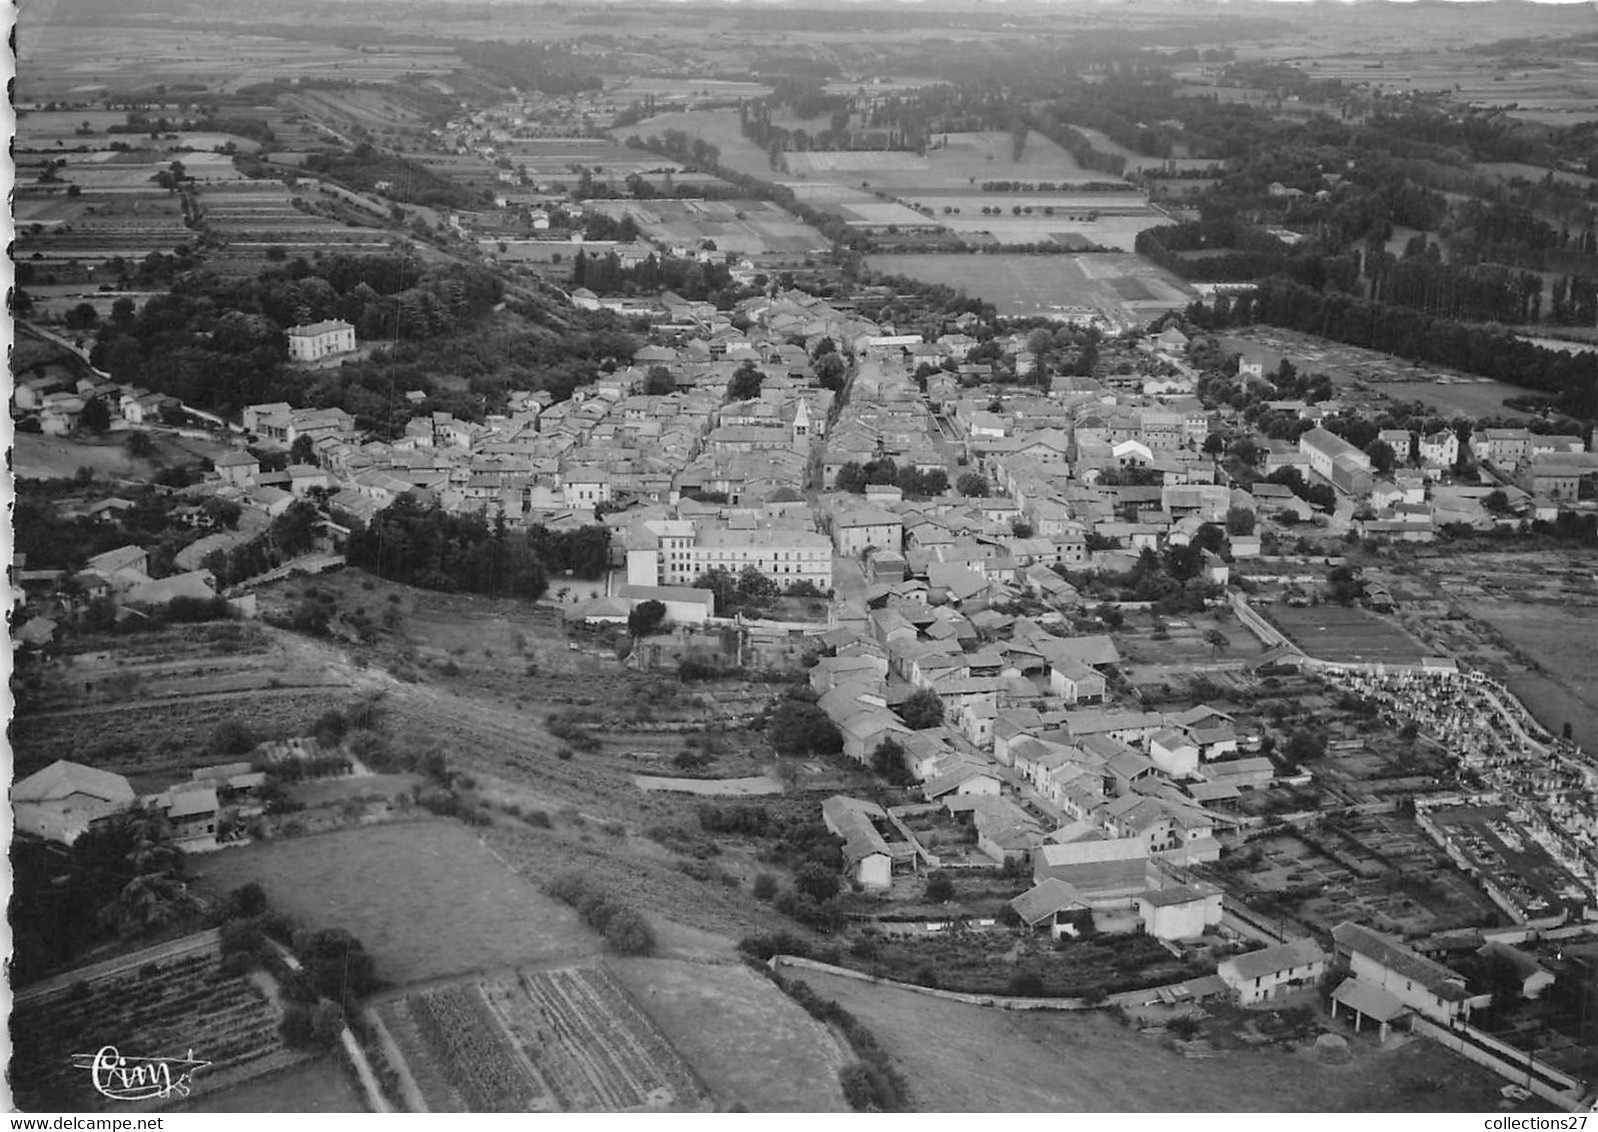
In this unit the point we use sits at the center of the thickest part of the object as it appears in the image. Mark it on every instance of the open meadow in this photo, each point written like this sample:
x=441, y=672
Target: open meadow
x=960, y=1058
x=1560, y=639
x=426, y=897
x=752, y=1045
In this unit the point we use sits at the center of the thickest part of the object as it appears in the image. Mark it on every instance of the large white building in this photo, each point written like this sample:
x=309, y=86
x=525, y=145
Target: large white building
x=674, y=552
x=320, y=340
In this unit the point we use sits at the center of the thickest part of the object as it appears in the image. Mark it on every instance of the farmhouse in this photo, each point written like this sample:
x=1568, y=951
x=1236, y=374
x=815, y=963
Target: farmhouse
x=1383, y=962
x=1054, y=905
x=1262, y=975
x=64, y=799
x=193, y=814
x=868, y=856
x=320, y=340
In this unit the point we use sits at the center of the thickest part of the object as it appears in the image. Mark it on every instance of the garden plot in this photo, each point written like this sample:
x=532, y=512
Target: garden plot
x=569, y=1040
x=164, y=1008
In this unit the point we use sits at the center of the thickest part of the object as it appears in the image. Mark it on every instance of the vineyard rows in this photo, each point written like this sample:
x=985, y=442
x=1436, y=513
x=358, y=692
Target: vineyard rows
x=570, y=1039
x=187, y=1004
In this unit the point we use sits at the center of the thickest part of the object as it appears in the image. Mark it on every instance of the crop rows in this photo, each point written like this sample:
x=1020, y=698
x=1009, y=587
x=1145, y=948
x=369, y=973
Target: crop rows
x=570, y=1038
x=464, y=1034
x=626, y=1060
x=187, y=1005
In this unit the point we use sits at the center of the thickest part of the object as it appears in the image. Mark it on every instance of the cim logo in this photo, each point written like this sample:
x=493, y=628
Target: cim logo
x=138, y=1078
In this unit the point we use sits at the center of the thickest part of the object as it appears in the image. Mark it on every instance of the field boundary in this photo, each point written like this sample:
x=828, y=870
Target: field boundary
x=999, y=1001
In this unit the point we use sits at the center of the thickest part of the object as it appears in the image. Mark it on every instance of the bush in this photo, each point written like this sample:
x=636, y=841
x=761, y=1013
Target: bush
x=245, y=902
x=231, y=737
x=625, y=931
x=241, y=936
x=239, y=963
x=296, y=1028
x=629, y=933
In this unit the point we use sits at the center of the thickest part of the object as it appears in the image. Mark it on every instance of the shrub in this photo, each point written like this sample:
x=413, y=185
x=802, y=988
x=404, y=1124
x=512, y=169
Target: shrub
x=629, y=933
x=296, y=1029
x=241, y=936
x=246, y=901
x=239, y=963
x=539, y=818
x=327, y=1021
x=231, y=737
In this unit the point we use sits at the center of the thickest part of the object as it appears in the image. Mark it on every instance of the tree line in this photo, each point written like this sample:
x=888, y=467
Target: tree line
x=1488, y=351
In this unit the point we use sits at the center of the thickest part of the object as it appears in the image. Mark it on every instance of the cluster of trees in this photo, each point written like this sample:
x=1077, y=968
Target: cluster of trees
x=692, y=279
x=408, y=181
x=119, y=880
x=855, y=477
x=1173, y=581
x=423, y=545
x=290, y=534
x=220, y=345
x=796, y=726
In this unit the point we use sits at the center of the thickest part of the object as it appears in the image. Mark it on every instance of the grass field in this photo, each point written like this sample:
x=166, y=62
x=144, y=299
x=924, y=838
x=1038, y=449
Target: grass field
x=1346, y=634
x=960, y=1058
x=750, y=1043
x=1560, y=639
x=1124, y=290
x=427, y=898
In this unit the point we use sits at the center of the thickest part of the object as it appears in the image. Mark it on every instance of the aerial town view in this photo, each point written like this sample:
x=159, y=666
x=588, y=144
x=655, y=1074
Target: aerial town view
x=811, y=556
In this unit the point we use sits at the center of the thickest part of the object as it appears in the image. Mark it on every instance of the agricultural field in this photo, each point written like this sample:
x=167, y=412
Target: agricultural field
x=954, y=162
x=1111, y=220
x=1448, y=392
x=745, y=227
x=749, y=1043
x=1122, y=290
x=569, y=1040
x=71, y=60
x=165, y=1007
x=427, y=897
x=960, y=1058
x=1346, y=634
x=718, y=127
x=1559, y=639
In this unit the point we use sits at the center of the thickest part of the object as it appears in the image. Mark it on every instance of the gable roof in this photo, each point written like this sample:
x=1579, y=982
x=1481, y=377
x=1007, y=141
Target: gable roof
x=1046, y=898
x=1386, y=950
x=61, y=779
x=1271, y=960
